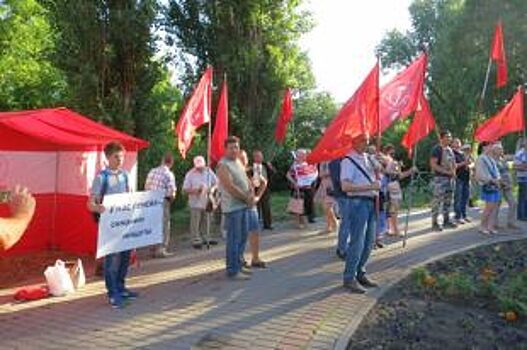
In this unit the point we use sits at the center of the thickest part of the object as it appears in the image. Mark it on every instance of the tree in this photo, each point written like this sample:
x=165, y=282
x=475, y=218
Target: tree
x=107, y=51
x=255, y=43
x=28, y=77
x=457, y=34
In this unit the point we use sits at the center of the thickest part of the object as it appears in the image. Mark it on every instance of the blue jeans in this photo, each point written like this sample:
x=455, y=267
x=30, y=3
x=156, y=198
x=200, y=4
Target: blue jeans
x=461, y=197
x=344, y=230
x=362, y=236
x=382, y=224
x=522, y=201
x=115, y=270
x=237, y=230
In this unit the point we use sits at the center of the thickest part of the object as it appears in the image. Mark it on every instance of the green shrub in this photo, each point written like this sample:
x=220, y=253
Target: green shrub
x=514, y=295
x=456, y=285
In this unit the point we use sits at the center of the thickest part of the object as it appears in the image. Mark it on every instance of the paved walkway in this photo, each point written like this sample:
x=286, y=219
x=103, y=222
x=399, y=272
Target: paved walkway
x=186, y=302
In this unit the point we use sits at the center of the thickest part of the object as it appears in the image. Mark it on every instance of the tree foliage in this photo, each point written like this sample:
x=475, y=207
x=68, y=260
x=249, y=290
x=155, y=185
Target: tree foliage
x=255, y=43
x=313, y=112
x=28, y=78
x=107, y=51
x=457, y=35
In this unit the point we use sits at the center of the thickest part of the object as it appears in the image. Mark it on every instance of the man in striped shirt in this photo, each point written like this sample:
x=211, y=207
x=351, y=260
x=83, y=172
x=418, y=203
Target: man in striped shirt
x=162, y=178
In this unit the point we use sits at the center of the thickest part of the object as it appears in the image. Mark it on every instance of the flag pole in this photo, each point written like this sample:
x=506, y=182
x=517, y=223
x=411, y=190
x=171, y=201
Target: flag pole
x=209, y=148
x=410, y=197
x=485, y=85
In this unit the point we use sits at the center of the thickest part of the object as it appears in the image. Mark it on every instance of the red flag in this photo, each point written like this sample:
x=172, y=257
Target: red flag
x=196, y=112
x=509, y=119
x=358, y=116
x=221, y=126
x=286, y=114
x=422, y=124
x=497, y=54
x=399, y=98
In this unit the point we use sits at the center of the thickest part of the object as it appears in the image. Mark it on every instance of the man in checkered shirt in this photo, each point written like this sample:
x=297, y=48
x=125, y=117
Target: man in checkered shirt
x=162, y=178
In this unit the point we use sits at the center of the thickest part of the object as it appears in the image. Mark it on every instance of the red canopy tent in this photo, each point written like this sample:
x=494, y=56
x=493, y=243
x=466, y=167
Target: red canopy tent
x=56, y=153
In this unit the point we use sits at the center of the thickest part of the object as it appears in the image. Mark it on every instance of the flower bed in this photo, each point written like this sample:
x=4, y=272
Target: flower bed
x=476, y=299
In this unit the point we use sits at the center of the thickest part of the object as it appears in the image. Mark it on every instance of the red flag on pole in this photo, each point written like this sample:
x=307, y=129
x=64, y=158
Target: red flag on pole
x=286, y=114
x=422, y=124
x=358, y=116
x=399, y=98
x=497, y=54
x=510, y=119
x=196, y=112
x=221, y=126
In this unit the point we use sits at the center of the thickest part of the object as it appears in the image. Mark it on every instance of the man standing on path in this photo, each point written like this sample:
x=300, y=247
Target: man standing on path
x=236, y=197
x=199, y=183
x=265, y=170
x=462, y=182
x=162, y=179
x=358, y=181
x=520, y=165
x=443, y=165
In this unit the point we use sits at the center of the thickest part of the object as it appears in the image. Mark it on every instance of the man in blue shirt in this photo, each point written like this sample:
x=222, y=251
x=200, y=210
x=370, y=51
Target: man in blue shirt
x=358, y=180
x=112, y=180
x=520, y=164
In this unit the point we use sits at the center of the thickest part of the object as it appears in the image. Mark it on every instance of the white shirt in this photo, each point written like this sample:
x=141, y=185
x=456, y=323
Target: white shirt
x=196, y=179
x=350, y=172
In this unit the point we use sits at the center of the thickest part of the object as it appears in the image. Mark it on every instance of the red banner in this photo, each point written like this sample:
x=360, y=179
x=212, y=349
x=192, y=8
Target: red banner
x=286, y=114
x=358, y=116
x=196, y=112
x=221, y=126
x=399, y=98
x=497, y=54
x=422, y=124
x=510, y=119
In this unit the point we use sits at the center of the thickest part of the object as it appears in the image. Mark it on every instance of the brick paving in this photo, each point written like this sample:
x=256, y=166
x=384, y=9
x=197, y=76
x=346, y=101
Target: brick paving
x=187, y=303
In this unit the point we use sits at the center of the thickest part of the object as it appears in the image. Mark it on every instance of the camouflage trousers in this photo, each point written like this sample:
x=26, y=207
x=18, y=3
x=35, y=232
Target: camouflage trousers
x=443, y=188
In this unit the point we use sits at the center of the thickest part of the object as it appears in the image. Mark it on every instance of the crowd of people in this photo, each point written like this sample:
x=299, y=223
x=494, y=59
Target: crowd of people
x=360, y=195
x=363, y=189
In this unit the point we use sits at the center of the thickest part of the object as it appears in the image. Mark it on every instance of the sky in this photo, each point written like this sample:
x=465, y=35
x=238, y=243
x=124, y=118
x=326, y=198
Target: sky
x=342, y=45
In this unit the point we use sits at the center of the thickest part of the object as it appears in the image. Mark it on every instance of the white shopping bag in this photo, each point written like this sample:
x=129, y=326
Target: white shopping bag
x=77, y=274
x=58, y=279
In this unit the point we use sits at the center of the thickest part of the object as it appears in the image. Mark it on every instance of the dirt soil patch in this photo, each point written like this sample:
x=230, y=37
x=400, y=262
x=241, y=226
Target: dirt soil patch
x=473, y=300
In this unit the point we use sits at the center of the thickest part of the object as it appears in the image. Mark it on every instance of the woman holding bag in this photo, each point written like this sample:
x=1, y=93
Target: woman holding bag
x=488, y=177
x=394, y=174
x=302, y=177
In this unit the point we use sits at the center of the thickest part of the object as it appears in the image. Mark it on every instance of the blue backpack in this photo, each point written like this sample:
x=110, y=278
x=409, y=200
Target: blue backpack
x=334, y=174
x=104, y=188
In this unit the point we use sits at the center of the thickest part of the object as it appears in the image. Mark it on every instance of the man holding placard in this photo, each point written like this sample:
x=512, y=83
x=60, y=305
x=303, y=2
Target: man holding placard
x=112, y=180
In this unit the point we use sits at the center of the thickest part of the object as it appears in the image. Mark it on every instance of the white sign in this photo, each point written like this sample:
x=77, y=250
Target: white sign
x=131, y=220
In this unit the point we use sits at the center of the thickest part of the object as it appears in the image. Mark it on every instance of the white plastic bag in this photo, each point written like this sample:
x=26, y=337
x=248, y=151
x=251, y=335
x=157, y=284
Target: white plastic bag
x=58, y=279
x=77, y=275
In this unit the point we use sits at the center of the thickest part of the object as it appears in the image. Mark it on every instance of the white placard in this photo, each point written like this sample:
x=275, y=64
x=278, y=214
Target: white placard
x=306, y=180
x=131, y=220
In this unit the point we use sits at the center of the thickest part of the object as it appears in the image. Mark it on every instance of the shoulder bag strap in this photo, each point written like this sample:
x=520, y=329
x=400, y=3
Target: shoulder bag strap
x=363, y=172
